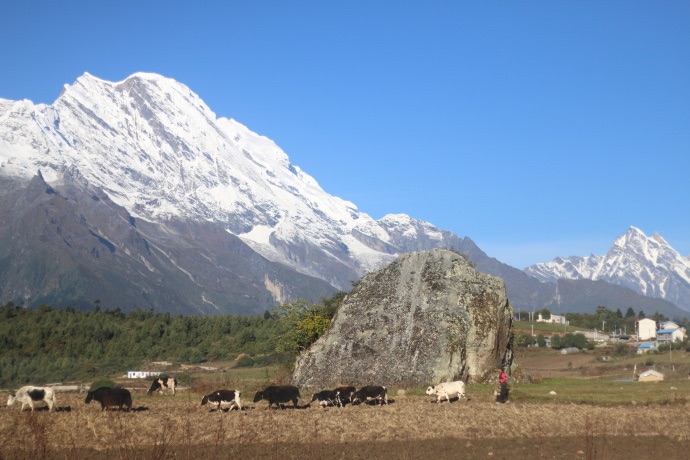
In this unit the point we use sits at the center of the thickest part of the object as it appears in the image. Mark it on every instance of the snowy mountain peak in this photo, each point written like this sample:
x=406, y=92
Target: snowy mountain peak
x=155, y=148
x=647, y=265
x=658, y=238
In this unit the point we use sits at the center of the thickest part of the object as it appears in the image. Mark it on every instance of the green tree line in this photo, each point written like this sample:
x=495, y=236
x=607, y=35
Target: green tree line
x=47, y=344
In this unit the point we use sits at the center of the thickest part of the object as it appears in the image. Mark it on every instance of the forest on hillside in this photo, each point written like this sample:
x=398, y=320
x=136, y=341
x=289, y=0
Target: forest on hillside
x=47, y=345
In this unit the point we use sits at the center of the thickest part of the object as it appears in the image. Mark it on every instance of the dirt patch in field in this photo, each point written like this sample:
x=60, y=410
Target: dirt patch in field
x=555, y=365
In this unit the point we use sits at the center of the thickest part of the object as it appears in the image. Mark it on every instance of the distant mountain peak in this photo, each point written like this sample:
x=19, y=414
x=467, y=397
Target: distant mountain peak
x=647, y=265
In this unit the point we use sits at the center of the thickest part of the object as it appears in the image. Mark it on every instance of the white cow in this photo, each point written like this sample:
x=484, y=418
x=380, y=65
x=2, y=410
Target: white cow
x=447, y=390
x=30, y=395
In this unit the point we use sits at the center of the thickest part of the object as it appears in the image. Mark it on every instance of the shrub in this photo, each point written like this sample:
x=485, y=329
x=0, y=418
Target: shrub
x=523, y=340
x=245, y=361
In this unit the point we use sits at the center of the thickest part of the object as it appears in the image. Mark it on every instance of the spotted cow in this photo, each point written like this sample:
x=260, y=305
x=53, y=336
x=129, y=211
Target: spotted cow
x=31, y=395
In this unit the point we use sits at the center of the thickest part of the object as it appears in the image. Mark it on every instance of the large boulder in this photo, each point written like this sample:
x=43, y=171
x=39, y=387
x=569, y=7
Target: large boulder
x=426, y=318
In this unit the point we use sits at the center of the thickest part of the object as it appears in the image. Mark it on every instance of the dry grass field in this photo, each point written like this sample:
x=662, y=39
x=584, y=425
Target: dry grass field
x=592, y=415
x=410, y=427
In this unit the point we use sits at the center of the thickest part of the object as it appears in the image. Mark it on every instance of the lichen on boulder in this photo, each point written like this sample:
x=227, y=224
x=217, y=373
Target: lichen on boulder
x=426, y=318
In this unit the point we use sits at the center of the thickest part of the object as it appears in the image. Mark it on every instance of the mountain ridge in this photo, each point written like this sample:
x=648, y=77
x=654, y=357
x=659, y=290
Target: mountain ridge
x=647, y=265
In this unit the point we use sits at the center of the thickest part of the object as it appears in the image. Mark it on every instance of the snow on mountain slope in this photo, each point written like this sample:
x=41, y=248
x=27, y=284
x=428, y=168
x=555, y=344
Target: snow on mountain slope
x=647, y=265
x=160, y=152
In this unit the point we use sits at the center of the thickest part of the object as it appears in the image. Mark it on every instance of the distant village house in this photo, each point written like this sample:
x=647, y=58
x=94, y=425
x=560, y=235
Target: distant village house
x=650, y=376
x=141, y=374
x=554, y=319
x=646, y=347
x=669, y=335
x=646, y=329
x=674, y=325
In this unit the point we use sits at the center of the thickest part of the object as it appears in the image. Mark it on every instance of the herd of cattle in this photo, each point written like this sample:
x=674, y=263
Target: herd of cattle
x=277, y=395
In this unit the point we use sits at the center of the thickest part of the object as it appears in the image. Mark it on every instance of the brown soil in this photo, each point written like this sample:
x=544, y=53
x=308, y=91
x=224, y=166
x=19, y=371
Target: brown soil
x=555, y=365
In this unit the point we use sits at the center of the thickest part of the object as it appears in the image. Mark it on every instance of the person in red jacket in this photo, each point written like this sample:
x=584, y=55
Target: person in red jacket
x=502, y=393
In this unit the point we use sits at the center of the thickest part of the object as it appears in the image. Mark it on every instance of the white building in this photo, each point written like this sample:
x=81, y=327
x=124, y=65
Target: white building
x=141, y=374
x=555, y=319
x=669, y=335
x=673, y=325
x=646, y=329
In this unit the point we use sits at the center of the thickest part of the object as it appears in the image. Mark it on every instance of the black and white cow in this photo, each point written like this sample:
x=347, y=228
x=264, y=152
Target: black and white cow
x=325, y=398
x=110, y=397
x=344, y=395
x=278, y=394
x=370, y=392
x=161, y=384
x=220, y=397
x=31, y=395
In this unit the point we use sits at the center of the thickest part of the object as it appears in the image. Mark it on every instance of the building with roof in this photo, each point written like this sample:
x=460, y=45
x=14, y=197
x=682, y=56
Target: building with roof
x=669, y=325
x=554, y=319
x=669, y=335
x=673, y=325
x=141, y=374
x=646, y=329
x=646, y=347
x=650, y=376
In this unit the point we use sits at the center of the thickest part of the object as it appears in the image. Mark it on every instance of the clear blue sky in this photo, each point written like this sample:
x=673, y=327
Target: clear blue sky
x=538, y=129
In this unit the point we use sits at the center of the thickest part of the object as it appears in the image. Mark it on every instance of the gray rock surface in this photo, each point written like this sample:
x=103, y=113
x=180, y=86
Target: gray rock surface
x=426, y=318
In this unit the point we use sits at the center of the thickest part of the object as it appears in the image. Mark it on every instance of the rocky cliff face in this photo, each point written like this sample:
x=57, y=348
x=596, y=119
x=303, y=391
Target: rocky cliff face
x=427, y=317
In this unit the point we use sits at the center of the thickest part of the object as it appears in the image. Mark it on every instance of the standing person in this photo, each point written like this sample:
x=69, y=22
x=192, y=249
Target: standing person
x=502, y=396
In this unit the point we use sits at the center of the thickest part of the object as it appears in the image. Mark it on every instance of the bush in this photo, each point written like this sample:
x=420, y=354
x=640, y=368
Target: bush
x=183, y=378
x=523, y=340
x=556, y=342
x=245, y=361
x=621, y=350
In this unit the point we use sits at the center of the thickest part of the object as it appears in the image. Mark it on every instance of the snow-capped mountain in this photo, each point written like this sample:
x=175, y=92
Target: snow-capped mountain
x=647, y=265
x=135, y=194
x=156, y=149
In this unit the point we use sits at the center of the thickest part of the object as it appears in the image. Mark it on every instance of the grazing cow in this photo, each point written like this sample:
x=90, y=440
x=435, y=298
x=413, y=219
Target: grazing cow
x=447, y=390
x=344, y=395
x=278, y=394
x=326, y=397
x=30, y=395
x=369, y=392
x=161, y=384
x=110, y=397
x=220, y=397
